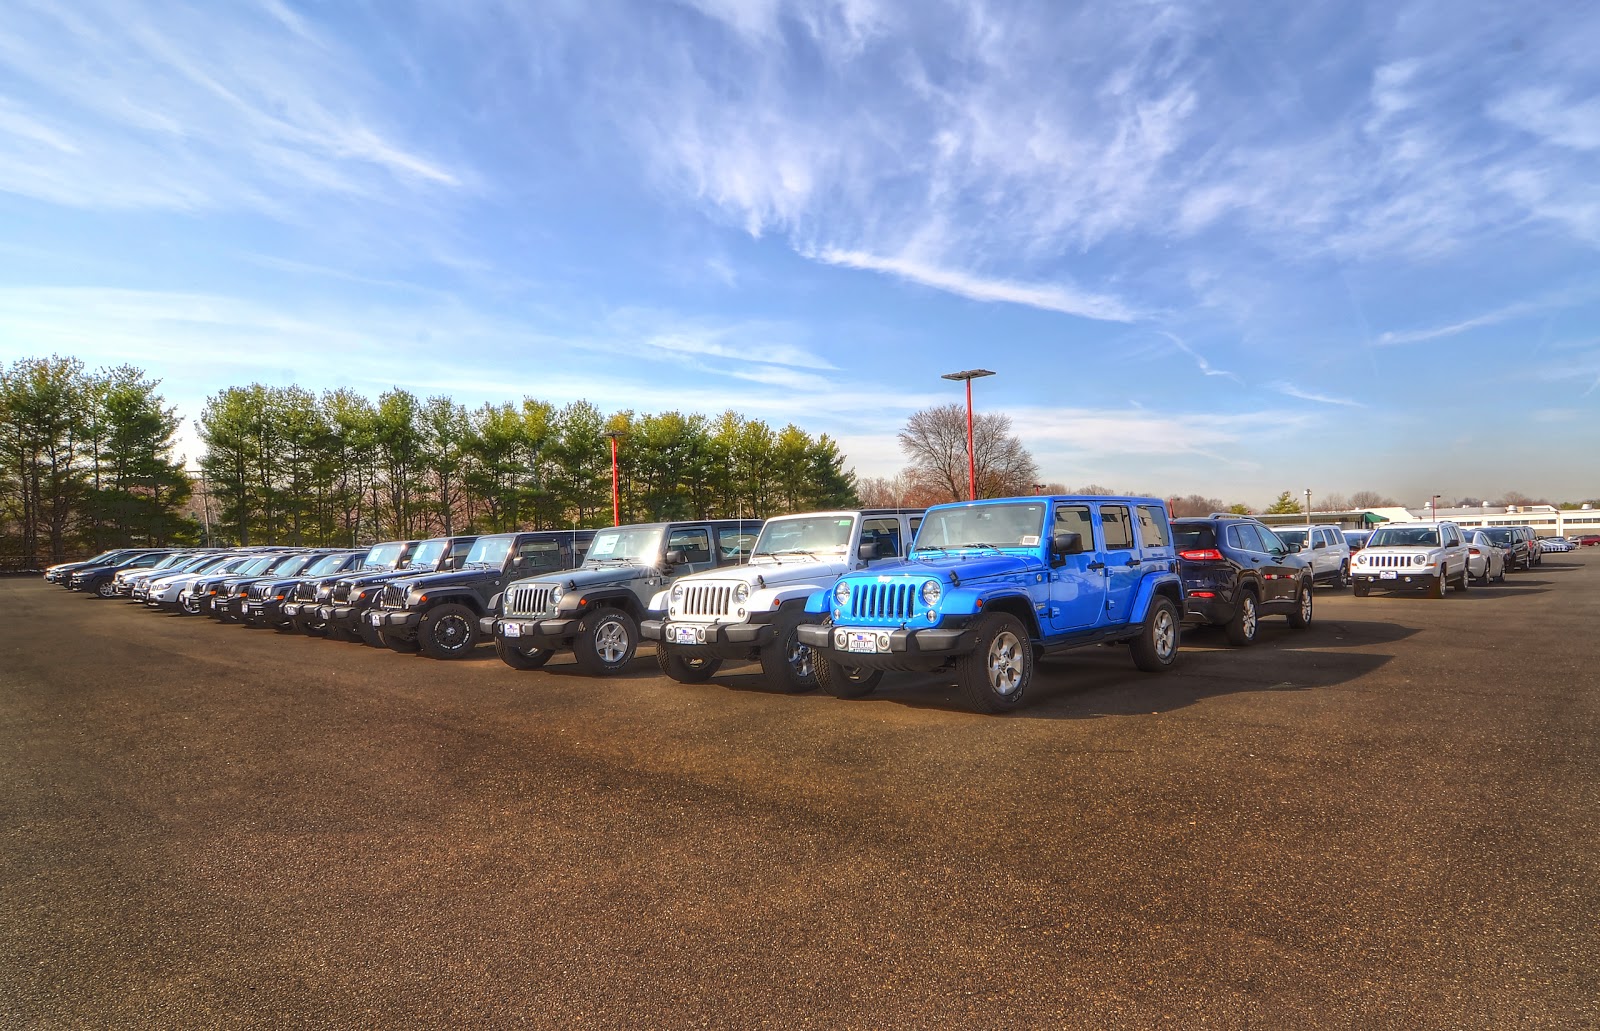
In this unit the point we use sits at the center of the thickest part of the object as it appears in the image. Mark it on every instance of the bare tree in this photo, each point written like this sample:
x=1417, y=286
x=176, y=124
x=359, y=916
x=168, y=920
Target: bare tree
x=1095, y=489
x=1330, y=503
x=1195, y=505
x=1372, y=499
x=935, y=442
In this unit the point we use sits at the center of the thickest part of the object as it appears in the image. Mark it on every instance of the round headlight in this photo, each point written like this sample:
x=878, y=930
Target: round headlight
x=677, y=592
x=841, y=593
x=556, y=594
x=741, y=593
x=931, y=592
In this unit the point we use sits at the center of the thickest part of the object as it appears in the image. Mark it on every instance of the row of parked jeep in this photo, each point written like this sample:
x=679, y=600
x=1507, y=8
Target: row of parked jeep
x=820, y=599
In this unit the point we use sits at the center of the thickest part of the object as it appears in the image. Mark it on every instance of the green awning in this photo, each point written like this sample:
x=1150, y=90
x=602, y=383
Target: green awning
x=1372, y=517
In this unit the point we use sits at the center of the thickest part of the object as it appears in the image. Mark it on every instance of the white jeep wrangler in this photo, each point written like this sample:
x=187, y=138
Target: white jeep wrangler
x=751, y=611
x=1413, y=555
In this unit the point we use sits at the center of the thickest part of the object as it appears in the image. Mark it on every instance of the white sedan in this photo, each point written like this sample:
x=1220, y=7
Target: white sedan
x=1485, y=560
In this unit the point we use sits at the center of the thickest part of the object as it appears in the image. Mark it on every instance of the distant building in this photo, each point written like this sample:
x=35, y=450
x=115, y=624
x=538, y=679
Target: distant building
x=1546, y=520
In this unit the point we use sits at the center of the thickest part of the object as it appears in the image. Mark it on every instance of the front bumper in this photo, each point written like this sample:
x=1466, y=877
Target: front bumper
x=1400, y=581
x=265, y=610
x=907, y=649
x=398, y=619
x=713, y=640
x=345, y=616
x=547, y=632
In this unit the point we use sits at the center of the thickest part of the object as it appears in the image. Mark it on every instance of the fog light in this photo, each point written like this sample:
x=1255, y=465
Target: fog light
x=883, y=642
x=840, y=639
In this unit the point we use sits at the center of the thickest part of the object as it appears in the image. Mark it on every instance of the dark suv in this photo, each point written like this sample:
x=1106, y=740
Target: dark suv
x=1235, y=570
x=1514, y=544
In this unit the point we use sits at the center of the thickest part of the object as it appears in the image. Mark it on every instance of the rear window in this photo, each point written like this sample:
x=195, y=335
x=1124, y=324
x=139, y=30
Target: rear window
x=1189, y=536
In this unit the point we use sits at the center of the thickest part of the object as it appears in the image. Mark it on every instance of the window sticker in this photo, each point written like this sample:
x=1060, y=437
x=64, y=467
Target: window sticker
x=605, y=545
x=1029, y=541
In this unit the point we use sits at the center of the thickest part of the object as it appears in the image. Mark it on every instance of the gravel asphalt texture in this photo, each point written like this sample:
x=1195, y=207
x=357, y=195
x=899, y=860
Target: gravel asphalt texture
x=1391, y=819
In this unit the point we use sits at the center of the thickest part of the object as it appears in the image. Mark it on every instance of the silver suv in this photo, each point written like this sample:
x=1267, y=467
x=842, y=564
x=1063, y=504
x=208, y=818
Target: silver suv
x=1324, y=548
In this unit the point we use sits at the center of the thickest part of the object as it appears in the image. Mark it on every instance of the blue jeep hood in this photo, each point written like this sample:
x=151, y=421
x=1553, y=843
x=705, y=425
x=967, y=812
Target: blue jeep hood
x=961, y=567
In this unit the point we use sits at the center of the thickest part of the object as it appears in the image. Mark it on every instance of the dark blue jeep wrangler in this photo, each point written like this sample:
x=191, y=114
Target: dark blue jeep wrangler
x=992, y=585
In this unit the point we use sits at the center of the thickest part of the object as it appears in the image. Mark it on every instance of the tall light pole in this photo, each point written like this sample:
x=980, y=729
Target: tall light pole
x=972, y=462
x=616, y=496
x=1434, y=501
x=1308, y=506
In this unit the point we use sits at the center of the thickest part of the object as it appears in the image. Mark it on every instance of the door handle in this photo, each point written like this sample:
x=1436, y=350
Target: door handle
x=1132, y=563
x=1095, y=565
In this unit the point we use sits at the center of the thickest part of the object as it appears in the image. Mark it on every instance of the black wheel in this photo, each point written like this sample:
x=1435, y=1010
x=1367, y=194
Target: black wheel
x=394, y=642
x=1465, y=581
x=1341, y=579
x=1436, y=585
x=188, y=604
x=685, y=669
x=788, y=664
x=1300, y=618
x=105, y=588
x=1362, y=589
x=368, y=634
x=336, y=633
x=844, y=681
x=512, y=654
x=1502, y=577
x=1484, y=579
x=1246, y=621
x=309, y=627
x=1156, y=648
x=448, y=631
x=995, y=675
x=606, y=641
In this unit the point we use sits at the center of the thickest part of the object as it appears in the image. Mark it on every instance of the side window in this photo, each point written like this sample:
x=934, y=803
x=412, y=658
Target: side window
x=538, y=556
x=1153, y=527
x=1076, y=519
x=916, y=521
x=1270, y=542
x=884, y=534
x=458, y=553
x=734, y=544
x=1118, y=527
x=1234, y=538
x=1249, y=539
x=694, y=542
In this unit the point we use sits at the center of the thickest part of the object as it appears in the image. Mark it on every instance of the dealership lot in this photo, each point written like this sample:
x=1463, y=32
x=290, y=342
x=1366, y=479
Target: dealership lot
x=1392, y=818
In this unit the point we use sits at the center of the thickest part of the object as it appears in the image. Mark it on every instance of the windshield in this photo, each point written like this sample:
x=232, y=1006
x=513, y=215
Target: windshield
x=255, y=565
x=1290, y=536
x=325, y=565
x=427, y=555
x=1404, y=537
x=996, y=525
x=172, y=560
x=811, y=535
x=488, y=552
x=293, y=564
x=640, y=544
x=1499, y=534
x=383, y=556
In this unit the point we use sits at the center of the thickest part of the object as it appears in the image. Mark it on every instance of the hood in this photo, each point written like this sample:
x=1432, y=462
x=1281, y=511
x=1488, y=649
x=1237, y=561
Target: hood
x=591, y=577
x=457, y=578
x=368, y=578
x=774, y=574
x=959, y=568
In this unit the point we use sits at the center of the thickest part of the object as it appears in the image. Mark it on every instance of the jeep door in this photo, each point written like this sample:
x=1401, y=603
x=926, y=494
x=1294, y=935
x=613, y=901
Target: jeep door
x=1078, y=585
x=694, y=542
x=1121, y=557
x=1279, y=570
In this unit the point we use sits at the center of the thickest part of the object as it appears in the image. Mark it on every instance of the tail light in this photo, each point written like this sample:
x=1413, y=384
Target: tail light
x=1475, y=551
x=1201, y=555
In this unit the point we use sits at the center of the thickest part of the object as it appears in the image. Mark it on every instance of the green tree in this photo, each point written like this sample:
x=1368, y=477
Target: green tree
x=399, y=443
x=1286, y=504
x=445, y=431
x=39, y=445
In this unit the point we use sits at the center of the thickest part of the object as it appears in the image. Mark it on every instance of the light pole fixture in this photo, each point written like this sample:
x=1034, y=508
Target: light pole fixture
x=1308, y=506
x=616, y=496
x=1434, y=501
x=972, y=462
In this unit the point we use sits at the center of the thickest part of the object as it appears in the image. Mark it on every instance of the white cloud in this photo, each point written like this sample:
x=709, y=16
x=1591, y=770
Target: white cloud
x=1306, y=395
x=1047, y=296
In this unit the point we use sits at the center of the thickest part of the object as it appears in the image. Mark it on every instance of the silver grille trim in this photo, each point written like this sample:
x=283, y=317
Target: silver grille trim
x=528, y=600
x=393, y=596
x=708, y=600
x=1393, y=561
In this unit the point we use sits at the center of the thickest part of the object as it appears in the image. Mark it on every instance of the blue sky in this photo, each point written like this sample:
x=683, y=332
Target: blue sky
x=1226, y=249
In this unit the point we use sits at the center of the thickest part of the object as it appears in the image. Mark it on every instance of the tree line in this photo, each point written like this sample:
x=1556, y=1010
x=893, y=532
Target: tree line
x=88, y=461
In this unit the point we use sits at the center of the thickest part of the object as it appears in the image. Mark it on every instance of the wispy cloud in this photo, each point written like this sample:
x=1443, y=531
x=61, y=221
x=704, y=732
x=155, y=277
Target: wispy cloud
x=1049, y=297
x=1200, y=359
x=1306, y=395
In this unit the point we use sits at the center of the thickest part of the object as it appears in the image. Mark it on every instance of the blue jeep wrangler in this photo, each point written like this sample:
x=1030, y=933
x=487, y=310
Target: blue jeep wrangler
x=992, y=585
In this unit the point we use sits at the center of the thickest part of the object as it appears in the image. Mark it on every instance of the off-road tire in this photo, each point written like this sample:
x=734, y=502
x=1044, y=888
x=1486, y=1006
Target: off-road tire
x=1341, y=579
x=686, y=670
x=368, y=634
x=512, y=655
x=1300, y=618
x=789, y=666
x=448, y=631
x=1466, y=577
x=996, y=674
x=309, y=627
x=844, y=681
x=1245, y=625
x=1362, y=590
x=1155, y=650
x=606, y=641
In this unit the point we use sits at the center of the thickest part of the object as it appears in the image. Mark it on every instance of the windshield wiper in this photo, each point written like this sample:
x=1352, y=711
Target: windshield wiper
x=795, y=551
x=979, y=544
x=929, y=547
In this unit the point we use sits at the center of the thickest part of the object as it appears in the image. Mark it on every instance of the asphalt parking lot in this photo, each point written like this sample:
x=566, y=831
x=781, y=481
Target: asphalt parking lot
x=1391, y=819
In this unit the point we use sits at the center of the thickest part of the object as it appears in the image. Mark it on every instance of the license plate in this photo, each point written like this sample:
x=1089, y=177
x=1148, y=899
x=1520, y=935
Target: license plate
x=865, y=643
x=375, y=618
x=511, y=629
x=1388, y=574
x=683, y=635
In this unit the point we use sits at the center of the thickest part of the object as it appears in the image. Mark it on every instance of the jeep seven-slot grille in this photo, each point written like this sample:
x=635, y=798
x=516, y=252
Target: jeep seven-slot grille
x=706, y=600
x=528, y=600
x=393, y=597
x=306, y=592
x=258, y=591
x=883, y=601
x=1393, y=561
x=341, y=592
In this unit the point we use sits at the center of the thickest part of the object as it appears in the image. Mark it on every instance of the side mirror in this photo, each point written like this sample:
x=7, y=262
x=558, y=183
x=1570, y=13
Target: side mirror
x=1294, y=549
x=866, y=551
x=1319, y=545
x=675, y=557
x=1065, y=543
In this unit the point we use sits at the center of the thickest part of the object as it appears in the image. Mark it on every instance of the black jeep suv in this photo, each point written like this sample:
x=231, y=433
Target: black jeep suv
x=438, y=614
x=1235, y=570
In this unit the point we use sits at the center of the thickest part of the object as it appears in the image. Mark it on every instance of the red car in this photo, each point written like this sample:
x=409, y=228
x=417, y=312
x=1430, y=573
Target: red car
x=1589, y=540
